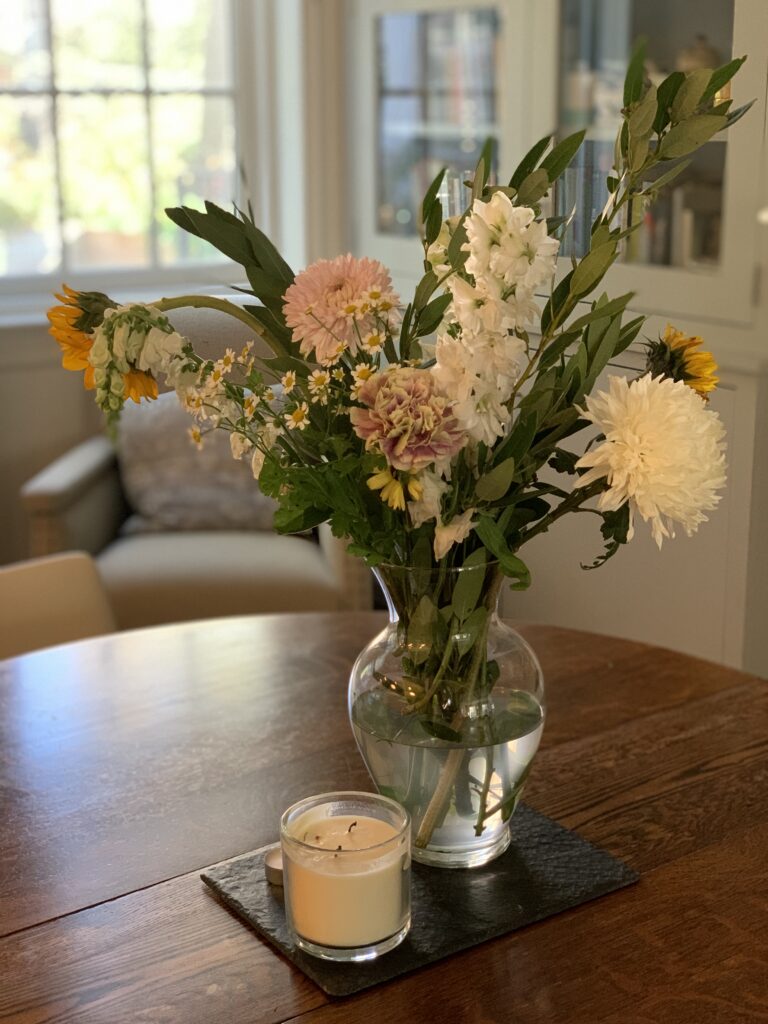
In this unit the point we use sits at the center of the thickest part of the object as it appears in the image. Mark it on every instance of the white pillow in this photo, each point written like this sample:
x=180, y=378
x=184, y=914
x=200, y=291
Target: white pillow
x=173, y=486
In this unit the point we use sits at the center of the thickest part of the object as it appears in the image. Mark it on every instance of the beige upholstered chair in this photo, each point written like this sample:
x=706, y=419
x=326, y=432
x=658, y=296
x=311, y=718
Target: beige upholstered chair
x=79, y=502
x=49, y=601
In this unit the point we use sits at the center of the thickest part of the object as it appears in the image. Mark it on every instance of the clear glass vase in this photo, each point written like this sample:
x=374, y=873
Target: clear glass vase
x=447, y=707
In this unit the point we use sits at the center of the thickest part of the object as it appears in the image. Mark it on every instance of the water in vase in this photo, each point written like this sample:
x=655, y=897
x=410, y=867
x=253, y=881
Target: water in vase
x=406, y=756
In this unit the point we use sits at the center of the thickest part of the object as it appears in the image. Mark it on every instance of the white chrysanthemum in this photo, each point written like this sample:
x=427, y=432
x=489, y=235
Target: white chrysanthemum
x=664, y=452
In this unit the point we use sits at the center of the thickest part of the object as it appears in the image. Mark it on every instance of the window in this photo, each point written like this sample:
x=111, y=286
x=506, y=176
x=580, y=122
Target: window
x=111, y=110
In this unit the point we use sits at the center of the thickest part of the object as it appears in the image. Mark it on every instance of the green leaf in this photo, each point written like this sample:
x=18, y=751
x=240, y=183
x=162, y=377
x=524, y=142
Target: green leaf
x=556, y=348
x=533, y=187
x=469, y=586
x=439, y=730
x=665, y=97
x=430, y=195
x=529, y=161
x=633, y=83
x=628, y=334
x=685, y=137
x=605, y=351
x=433, y=223
x=557, y=161
x=738, y=113
x=491, y=536
x=563, y=461
x=557, y=302
x=721, y=76
x=432, y=314
x=483, y=169
x=617, y=305
x=638, y=153
x=690, y=94
x=292, y=520
x=424, y=289
x=614, y=529
x=421, y=630
x=457, y=256
x=471, y=627
x=519, y=441
x=591, y=269
x=664, y=179
x=643, y=115
x=496, y=483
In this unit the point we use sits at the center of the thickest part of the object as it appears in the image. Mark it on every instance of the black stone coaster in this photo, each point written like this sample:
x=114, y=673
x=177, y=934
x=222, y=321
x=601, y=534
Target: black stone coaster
x=546, y=870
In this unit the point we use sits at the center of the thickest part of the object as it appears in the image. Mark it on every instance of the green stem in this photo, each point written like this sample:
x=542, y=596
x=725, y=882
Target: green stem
x=223, y=306
x=423, y=701
x=484, y=794
x=453, y=762
x=570, y=504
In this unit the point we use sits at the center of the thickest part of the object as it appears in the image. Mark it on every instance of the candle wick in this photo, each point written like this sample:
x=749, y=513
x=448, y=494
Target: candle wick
x=354, y=823
x=338, y=847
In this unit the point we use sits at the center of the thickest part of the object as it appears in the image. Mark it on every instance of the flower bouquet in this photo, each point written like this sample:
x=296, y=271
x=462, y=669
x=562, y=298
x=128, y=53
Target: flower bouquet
x=433, y=435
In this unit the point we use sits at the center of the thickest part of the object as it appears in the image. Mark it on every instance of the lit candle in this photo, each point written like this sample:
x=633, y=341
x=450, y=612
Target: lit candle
x=346, y=872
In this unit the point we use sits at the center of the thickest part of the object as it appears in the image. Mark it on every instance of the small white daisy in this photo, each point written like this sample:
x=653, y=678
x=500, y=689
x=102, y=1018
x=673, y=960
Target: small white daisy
x=299, y=418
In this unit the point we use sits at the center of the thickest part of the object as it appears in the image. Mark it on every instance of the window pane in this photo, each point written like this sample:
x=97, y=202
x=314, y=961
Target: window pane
x=24, y=58
x=97, y=44
x=436, y=104
x=684, y=226
x=190, y=44
x=103, y=145
x=194, y=140
x=29, y=232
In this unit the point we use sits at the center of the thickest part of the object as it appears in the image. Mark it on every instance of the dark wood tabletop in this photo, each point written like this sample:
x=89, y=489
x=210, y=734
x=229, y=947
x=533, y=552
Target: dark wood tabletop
x=130, y=762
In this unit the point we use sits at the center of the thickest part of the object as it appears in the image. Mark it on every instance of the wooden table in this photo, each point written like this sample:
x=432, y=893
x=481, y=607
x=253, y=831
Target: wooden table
x=130, y=762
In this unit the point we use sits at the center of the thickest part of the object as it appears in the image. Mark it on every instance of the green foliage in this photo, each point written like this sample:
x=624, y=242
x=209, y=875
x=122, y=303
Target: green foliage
x=614, y=529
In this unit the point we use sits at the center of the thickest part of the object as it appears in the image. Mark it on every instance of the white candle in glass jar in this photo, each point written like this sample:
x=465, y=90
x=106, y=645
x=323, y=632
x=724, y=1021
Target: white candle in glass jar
x=346, y=873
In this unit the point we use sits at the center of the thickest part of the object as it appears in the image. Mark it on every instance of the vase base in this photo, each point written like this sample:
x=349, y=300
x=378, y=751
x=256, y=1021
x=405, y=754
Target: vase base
x=447, y=857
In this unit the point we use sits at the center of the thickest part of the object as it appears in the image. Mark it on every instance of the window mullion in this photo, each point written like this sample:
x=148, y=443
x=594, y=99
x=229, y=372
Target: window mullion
x=54, y=94
x=153, y=234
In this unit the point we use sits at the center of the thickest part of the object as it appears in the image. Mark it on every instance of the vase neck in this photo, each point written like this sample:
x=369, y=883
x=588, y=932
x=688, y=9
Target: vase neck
x=406, y=587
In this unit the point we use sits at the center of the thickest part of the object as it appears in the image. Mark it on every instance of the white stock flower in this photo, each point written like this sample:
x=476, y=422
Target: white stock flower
x=664, y=452
x=99, y=355
x=267, y=438
x=455, y=532
x=507, y=242
x=433, y=487
x=478, y=373
x=159, y=350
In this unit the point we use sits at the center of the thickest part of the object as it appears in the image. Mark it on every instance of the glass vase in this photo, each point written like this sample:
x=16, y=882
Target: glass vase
x=447, y=708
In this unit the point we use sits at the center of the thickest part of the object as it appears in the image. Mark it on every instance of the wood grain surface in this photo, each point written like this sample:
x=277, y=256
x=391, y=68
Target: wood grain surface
x=129, y=763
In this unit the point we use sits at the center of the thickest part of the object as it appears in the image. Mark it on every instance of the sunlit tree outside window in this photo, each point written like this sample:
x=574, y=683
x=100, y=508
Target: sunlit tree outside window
x=109, y=112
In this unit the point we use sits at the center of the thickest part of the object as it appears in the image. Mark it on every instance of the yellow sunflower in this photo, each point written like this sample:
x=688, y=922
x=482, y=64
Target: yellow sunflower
x=677, y=355
x=72, y=325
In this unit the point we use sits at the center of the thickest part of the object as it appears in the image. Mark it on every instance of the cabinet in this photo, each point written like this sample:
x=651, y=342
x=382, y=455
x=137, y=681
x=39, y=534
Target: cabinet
x=431, y=81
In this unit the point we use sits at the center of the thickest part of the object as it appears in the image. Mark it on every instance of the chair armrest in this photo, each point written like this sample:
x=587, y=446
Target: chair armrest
x=77, y=502
x=352, y=575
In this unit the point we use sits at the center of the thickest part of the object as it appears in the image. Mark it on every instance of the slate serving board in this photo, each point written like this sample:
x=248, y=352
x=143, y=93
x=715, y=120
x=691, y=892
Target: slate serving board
x=547, y=869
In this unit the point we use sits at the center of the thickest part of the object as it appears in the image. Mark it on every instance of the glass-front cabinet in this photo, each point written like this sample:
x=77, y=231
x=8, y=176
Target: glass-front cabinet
x=431, y=80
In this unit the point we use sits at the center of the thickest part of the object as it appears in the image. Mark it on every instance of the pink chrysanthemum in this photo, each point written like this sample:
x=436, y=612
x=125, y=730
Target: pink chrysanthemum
x=407, y=419
x=334, y=303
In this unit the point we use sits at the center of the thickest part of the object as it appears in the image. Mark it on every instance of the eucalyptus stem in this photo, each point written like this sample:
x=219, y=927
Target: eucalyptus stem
x=223, y=306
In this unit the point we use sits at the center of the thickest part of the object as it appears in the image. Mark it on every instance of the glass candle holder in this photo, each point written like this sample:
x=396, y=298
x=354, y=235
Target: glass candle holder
x=347, y=874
